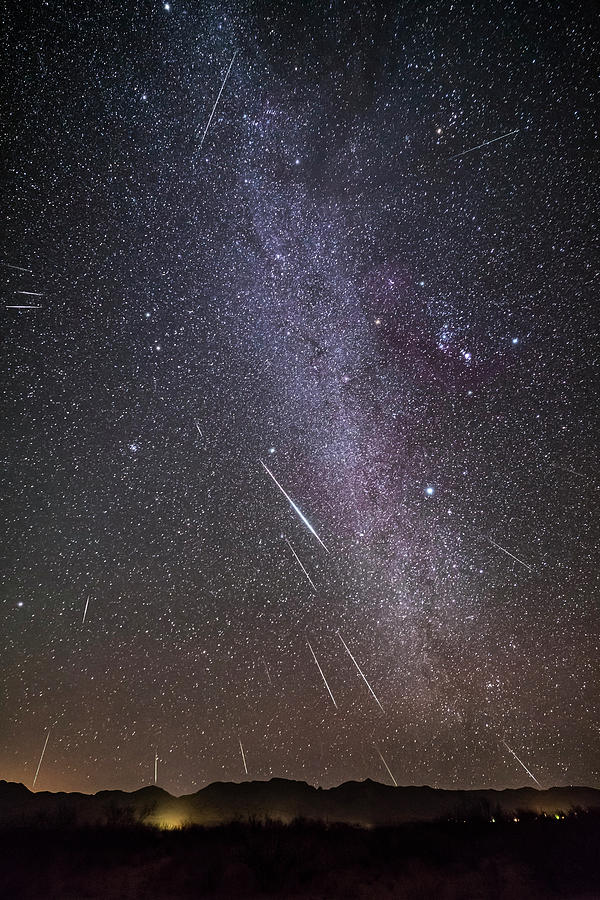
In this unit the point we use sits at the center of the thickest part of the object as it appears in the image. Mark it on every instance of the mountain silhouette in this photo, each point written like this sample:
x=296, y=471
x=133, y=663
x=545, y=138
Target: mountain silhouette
x=366, y=803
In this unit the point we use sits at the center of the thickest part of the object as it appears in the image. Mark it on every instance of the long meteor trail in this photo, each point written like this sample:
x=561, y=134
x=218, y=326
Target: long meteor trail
x=322, y=675
x=20, y=306
x=37, y=771
x=512, y=555
x=210, y=118
x=86, y=609
x=243, y=756
x=300, y=563
x=386, y=765
x=531, y=775
x=485, y=143
x=18, y=268
x=361, y=673
x=296, y=509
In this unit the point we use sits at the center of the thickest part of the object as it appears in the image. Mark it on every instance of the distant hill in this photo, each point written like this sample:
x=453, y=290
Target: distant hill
x=365, y=803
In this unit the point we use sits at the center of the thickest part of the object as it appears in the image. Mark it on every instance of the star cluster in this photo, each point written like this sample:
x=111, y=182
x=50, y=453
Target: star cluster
x=349, y=279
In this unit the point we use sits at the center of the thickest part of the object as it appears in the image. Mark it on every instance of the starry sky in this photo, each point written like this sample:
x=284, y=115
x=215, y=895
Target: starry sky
x=334, y=280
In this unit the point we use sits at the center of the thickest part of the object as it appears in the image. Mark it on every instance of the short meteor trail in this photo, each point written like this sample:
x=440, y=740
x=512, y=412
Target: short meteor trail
x=86, y=609
x=299, y=561
x=210, y=118
x=18, y=268
x=199, y=429
x=322, y=675
x=565, y=469
x=243, y=756
x=386, y=765
x=531, y=775
x=29, y=293
x=155, y=766
x=37, y=771
x=508, y=553
x=485, y=143
x=267, y=670
x=296, y=509
x=361, y=673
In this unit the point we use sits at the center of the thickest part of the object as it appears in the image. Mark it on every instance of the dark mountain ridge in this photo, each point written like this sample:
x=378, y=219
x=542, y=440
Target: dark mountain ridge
x=365, y=803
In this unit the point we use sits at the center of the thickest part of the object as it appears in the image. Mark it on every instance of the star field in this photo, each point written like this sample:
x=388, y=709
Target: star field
x=333, y=281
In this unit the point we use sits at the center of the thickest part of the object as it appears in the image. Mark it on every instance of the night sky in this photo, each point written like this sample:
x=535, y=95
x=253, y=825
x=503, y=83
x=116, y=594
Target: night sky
x=322, y=281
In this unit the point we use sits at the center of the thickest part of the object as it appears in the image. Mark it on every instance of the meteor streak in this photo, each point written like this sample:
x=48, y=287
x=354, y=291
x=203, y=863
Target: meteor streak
x=85, y=610
x=485, y=143
x=531, y=775
x=322, y=675
x=243, y=756
x=37, y=771
x=210, y=118
x=386, y=765
x=267, y=670
x=361, y=673
x=296, y=509
x=565, y=469
x=508, y=553
x=199, y=429
x=29, y=293
x=20, y=306
x=299, y=561
x=155, y=766
x=18, y=268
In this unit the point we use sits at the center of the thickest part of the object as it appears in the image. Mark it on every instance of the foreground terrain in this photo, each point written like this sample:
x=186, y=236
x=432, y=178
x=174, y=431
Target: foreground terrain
x=536, y=857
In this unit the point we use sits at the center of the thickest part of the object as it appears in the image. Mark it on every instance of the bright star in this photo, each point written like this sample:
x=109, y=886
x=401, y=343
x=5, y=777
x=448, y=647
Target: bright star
x=430, y=491
x=515, y=340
